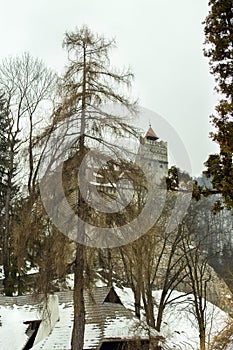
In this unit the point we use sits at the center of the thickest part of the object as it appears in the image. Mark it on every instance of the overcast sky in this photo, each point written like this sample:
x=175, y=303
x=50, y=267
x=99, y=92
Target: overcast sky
x=161, y=40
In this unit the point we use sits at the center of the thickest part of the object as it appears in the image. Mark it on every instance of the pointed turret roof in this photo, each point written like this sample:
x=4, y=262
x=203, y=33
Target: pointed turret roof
x=150, y=135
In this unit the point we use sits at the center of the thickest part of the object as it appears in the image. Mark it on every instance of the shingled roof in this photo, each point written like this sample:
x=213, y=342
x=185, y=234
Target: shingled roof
x=106, y=320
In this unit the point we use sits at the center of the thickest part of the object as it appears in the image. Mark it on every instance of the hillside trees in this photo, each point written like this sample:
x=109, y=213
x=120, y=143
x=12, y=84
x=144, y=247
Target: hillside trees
x=27, y=85
x=88, y=83
x=219, y=50
x=198, y=278
x=213, y=234
x=169, y=261
x=156, y=260
x=201, y=247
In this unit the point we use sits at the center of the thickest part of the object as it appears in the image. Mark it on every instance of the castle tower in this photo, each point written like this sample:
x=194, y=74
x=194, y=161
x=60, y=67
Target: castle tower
x=153, y=150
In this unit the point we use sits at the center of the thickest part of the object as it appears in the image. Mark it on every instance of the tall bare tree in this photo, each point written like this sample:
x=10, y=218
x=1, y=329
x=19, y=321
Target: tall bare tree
x=88, y=83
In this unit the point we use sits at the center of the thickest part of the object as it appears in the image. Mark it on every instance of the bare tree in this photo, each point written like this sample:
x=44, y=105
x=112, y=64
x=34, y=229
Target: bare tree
x=223, y=339
x=156, y=260
x=28, y=87
x=88, y=83
x=26, y=84
x=199, y=276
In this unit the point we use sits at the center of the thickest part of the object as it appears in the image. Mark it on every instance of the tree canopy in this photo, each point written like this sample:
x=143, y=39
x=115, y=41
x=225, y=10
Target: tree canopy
x=219, y=50
x=88, y=84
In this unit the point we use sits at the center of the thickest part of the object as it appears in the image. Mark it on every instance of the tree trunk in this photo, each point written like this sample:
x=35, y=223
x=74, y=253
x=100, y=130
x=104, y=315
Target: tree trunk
x=201, y=326
x=30, y=152
x=77, y=341
x=137, y=301
x=202, y=337
x=110, y=268
x=159, y=317
x=148, y=305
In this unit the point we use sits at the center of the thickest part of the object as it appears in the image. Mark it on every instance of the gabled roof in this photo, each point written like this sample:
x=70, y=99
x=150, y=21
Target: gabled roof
x=99, y=295
x=106, y=319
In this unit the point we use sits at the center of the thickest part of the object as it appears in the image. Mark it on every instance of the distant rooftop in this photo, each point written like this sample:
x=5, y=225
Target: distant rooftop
x=151, y=135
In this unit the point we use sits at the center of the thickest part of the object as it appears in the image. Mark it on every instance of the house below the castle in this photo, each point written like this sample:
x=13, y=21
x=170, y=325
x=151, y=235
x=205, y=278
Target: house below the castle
x=109, y=324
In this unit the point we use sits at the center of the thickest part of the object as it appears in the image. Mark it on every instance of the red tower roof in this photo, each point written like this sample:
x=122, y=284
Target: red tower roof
x=150, y=135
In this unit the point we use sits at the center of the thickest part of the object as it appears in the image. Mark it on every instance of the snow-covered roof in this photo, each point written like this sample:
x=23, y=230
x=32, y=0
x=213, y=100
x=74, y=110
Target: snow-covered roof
x=12, y=317
x=13, y=330
x=106, y=319
x=18, y=314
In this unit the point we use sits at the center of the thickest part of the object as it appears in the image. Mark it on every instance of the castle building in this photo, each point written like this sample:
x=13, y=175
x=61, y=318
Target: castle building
x=154, y=153
x=151, y=157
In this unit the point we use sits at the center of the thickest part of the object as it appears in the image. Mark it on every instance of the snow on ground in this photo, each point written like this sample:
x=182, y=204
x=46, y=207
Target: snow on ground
x=12, y=328
x=179, y=326
x=1, y=272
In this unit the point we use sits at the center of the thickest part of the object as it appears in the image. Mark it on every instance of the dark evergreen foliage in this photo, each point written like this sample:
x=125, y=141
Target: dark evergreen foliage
x=4, y=147
x=8, y=190
x=219, y=50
